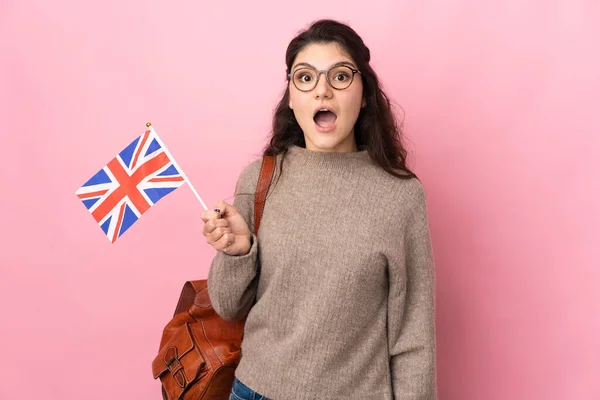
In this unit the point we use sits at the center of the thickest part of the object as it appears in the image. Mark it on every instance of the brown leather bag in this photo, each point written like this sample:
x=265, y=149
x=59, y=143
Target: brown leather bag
x=199, y=351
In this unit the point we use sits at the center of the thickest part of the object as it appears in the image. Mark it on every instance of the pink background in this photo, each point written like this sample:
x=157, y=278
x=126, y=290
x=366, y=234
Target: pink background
x=499, y=100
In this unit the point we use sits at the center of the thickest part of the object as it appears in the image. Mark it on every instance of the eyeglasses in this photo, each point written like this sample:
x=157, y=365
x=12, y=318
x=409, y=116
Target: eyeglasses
x=339, y=77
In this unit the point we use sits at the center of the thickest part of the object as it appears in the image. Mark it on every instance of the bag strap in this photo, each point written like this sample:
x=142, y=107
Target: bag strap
x=190, y=288
x=186, y=298
x=264, y=182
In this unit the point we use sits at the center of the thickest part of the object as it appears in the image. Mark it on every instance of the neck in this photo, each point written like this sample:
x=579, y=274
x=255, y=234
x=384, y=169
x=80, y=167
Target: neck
x=345, y=146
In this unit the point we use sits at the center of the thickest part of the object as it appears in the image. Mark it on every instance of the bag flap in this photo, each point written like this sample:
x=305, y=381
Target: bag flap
x=177, y=353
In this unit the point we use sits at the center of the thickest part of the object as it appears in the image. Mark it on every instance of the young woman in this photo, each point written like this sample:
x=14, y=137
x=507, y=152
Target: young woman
x=338, y=284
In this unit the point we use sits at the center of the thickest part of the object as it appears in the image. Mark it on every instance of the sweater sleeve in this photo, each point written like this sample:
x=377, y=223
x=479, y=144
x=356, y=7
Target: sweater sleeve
x=233, y=280
x=411, y=315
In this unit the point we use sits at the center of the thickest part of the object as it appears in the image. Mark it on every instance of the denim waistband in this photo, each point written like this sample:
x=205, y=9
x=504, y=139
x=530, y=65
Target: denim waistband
x=240, y=391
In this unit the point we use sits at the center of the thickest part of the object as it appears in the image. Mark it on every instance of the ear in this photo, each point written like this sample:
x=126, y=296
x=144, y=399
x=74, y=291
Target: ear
x=290, y=105
x=364, y=103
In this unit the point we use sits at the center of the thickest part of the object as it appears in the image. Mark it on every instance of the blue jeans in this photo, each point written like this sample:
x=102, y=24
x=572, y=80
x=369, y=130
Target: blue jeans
x=239, y=391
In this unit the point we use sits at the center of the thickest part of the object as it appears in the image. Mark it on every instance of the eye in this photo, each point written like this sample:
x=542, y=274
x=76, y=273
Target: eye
x=342, y=77
x=304, y=78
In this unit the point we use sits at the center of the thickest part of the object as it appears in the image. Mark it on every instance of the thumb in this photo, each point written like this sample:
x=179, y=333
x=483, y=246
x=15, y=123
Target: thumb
x=226, y=209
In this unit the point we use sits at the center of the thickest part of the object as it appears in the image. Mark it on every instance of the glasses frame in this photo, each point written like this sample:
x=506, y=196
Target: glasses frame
x=323, y=71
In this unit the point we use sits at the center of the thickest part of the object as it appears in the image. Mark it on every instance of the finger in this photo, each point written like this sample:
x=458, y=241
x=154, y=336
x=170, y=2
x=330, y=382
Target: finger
x=226, y=208
x=217, y=234
x=207, y=215
x=212, y=224
x=225, y=243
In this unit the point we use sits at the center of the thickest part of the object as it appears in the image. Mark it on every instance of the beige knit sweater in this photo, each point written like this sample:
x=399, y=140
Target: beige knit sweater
x=338, y=286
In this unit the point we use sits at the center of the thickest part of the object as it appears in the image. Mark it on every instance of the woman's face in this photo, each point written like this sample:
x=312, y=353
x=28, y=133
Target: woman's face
x=334, y=130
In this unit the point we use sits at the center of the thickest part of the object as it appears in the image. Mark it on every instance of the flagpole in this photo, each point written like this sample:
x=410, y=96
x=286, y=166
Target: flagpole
x=166, y=150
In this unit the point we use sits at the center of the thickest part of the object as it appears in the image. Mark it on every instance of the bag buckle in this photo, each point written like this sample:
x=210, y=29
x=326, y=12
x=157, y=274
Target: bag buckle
x=174, y=366
x=173, y=360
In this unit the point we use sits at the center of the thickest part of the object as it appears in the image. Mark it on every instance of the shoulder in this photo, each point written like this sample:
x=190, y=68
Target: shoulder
x=413, y=191
x=405, y=201
x=248, y=177
x=415, y=205
x=409, y=194
x=408, y=191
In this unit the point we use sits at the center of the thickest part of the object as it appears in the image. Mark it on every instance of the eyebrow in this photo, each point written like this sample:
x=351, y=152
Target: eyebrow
x=304, y=64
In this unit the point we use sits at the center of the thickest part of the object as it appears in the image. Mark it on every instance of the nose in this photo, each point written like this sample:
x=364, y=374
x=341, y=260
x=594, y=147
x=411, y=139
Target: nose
x=323, y=89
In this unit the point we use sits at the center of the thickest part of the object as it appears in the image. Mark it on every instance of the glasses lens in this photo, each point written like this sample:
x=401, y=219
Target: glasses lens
x=340, y=77
x=305, y=79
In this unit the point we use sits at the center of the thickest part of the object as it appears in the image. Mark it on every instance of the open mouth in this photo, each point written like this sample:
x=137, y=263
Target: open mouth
x=325, y=119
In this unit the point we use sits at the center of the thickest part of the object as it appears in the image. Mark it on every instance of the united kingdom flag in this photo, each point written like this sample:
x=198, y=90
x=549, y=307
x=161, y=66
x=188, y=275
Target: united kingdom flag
x=131, y=183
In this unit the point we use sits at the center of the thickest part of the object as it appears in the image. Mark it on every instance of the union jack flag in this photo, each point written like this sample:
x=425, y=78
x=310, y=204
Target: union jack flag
x=131, y=183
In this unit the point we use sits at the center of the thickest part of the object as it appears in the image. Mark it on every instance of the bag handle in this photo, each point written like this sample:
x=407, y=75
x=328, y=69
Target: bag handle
x=264, y=182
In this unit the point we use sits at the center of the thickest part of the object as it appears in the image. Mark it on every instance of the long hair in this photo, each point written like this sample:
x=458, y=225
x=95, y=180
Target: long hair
x=376, y=129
